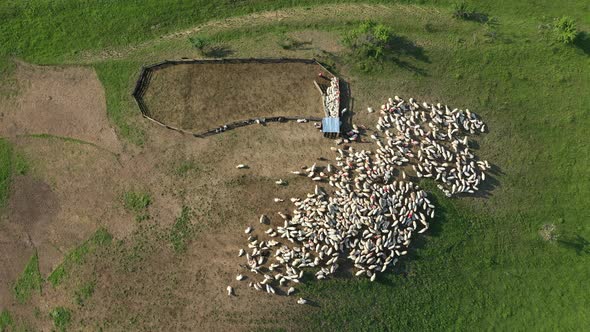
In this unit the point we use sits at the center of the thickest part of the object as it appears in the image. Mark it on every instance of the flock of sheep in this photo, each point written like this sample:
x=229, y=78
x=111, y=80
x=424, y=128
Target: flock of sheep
x=374, y=209
x=332, y=98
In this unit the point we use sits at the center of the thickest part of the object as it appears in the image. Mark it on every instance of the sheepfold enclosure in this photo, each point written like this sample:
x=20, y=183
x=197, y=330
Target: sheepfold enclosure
x=202, y=96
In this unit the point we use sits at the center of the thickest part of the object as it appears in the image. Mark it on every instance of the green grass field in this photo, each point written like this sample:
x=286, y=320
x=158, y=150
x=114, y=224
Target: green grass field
x=484, y=265
x=5, y=170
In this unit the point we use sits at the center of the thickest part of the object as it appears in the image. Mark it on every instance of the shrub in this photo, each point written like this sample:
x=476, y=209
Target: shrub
x=368, y=43
x=200, y=43
x=565, y=30
x=368, y=40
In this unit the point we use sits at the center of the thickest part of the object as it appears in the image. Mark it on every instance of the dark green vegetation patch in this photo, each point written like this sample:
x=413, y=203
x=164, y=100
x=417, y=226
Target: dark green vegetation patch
x=100, y=238
x=136, y=201
x=30, y=281
x=11, y=163
x=565, y=30
x=5, y=170
x=116, y=78
x=181, y=230
x=84, y=292
x=185, y=167
x=369, y=43
x=5, y=320
x=61, y=318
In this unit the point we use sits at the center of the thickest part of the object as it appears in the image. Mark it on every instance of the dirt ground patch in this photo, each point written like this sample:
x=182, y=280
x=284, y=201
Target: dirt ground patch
x=183, y=291
x=61, y=101
x=32, y=202
x=199, y=97
x=31, y=209
x=16, y=249
x=84, y=188
x=141, y=283
x=69, y=193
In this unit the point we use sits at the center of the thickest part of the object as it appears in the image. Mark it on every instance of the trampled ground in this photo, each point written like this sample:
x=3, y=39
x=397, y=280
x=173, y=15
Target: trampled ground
x=74, y=187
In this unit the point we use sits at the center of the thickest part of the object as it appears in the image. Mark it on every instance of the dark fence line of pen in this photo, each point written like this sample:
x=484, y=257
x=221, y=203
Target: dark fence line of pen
x=147, y=71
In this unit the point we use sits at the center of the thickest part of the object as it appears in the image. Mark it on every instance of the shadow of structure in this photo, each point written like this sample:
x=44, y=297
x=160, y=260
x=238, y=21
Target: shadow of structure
x=346, y=103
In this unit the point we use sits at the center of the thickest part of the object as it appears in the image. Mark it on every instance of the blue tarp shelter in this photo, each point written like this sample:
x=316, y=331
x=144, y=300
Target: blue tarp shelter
x=331, y=127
